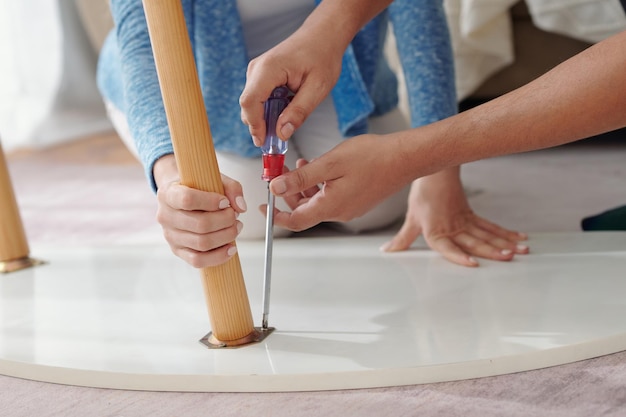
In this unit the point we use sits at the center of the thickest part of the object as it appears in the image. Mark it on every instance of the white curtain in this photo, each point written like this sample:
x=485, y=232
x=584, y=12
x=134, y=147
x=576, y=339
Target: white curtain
x=482, y=33
x=47, y=75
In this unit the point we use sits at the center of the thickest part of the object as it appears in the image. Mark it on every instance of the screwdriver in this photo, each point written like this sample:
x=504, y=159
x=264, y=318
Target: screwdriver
x=274, y=150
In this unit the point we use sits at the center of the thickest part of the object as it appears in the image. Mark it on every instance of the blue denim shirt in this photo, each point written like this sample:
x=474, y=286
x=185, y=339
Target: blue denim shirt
x=366, y=86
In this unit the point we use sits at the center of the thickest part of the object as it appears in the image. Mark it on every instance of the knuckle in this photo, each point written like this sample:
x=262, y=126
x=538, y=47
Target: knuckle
x=322, y=83
x=301, y=179
x=167, y=234
x=298, y=113
x=201, y=225
x=253, y=63
x=244, y=118
x=298, y=224
x=211, y=242
x=161, y=195
x=255, y=129
x=297, y=227
x=186, y=200
x=160, y=216
x=194, y=259
x=212, y=222
x=245, y=100
x=204, y=244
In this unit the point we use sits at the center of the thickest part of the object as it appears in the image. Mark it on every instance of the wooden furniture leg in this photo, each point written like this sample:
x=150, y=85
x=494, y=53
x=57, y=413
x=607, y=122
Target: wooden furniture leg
x=224, y=287
x=14, y=250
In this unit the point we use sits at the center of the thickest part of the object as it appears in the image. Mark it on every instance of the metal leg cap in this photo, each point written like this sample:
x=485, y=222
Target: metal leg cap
x=257, y=335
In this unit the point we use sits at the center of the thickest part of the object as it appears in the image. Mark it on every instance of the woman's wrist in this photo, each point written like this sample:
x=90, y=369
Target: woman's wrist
x=342, y=19
x=165, y=170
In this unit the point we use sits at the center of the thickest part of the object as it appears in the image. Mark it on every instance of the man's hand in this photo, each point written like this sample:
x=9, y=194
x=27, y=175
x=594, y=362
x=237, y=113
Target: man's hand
x=340, y=185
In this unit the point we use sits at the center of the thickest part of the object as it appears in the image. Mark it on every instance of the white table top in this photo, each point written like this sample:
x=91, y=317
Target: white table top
x=346, y=315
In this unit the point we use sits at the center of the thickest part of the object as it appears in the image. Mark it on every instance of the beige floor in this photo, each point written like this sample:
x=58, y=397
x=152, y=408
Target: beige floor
x=548, y=190
x=100, y=149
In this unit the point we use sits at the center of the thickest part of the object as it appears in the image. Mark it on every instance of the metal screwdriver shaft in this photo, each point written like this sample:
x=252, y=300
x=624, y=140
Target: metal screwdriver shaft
x=274, y=150
x=269, y=242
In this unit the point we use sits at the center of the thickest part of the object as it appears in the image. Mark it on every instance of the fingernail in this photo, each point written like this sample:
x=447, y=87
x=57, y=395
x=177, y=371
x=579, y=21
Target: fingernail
x=287, y=130
x=385, y=246
x=522, y=248
x=256, y=141
x=231, y=251
x=239, y=227
x=279, y=186
x=472, y=260
x=223, y=204
x=241, y=203
x=506, y=252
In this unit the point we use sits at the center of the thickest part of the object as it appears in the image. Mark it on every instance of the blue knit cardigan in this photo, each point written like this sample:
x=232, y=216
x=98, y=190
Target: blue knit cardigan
x=366, y=86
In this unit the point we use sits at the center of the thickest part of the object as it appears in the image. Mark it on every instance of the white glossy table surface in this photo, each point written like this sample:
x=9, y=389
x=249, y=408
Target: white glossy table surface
x=346, y=315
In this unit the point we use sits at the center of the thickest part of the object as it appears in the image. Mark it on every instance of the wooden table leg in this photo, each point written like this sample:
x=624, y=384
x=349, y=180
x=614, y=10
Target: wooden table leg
x=224, y=287
x=14, y=250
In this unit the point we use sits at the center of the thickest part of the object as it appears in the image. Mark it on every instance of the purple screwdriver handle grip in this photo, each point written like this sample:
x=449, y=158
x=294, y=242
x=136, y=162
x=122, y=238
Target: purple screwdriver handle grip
x=274, y=106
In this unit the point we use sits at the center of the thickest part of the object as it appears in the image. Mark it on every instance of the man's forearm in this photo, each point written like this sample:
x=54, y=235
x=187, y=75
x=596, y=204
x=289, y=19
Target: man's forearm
x=580, y=98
